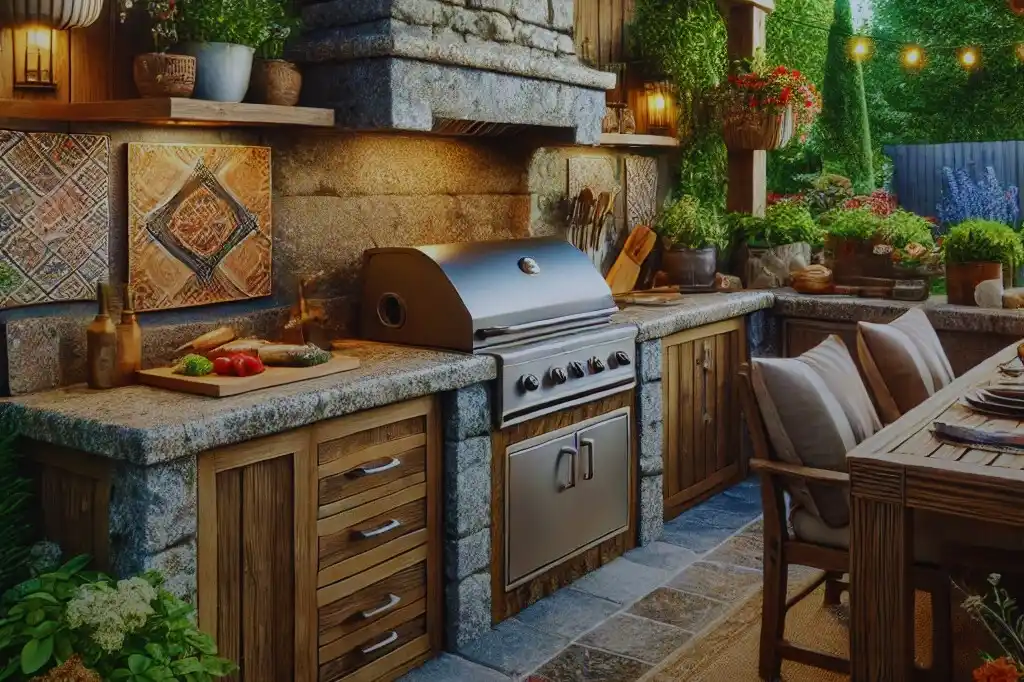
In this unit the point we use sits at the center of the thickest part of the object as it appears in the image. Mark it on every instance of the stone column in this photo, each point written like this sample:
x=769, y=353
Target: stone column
x=747, y=169
x=651, y=435
x=467, y=513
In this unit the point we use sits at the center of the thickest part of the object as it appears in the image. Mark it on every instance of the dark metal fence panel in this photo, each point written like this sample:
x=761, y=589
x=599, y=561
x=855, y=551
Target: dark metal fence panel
x=917, y=168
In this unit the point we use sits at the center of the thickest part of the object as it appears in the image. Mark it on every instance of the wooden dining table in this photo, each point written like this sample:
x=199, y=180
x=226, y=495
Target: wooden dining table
x=903, y=469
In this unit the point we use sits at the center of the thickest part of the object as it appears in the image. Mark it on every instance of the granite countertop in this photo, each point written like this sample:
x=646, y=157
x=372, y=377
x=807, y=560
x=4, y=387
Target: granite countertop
x=942, y=315
x=147, y=425
x=697, y=310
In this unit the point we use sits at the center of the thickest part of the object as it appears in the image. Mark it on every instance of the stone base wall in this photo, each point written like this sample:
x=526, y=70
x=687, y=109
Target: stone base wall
x=651, y=431
x=467, y=513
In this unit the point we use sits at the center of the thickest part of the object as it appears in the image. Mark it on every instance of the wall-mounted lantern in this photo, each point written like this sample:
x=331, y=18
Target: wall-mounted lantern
x=661, y=107
x=33, y=58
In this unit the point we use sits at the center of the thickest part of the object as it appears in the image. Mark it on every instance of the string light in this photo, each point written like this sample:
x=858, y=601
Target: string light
x=913, y=57
x=969, y=57
x=861, y=48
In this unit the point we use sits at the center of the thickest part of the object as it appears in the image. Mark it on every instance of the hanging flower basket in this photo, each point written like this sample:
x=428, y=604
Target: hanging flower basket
x=762, y=107
x=59, y=15
x=747, y=129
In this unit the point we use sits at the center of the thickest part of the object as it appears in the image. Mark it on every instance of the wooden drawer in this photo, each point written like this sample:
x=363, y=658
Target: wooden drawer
x=371, y=526
x=378, y=653
x=406, y=587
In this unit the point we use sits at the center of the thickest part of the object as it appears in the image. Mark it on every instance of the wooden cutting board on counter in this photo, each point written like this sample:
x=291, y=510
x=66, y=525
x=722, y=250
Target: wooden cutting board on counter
x=216, y=386
x=624, y=273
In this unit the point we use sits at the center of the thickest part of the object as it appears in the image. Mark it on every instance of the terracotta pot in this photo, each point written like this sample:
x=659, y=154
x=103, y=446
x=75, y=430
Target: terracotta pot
x=751, y=130
x=275, y=81
x=164, y=75
x=691, y=269
x=59, y=15
x=850, y=258
x=963, y=278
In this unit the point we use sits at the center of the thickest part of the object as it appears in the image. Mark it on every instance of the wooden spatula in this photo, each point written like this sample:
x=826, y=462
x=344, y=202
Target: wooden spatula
x=623, y=275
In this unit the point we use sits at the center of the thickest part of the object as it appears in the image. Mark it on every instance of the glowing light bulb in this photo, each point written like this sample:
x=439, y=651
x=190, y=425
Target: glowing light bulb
x=38, y=38
x=912, y=56
x=860, y=48
x=969, y=58
x=658, y=101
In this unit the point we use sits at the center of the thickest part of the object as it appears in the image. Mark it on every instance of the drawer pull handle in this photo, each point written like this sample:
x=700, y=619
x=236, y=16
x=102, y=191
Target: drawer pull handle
x=390, y=639
x=588, y=444
x=370, y=471
x=393, y=600
x=386, y=528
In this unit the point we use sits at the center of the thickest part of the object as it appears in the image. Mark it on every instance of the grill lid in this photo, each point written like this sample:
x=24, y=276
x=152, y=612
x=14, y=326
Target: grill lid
x=474, y=295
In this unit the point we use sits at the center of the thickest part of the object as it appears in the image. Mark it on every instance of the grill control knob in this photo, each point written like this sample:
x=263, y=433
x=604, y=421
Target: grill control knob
x=621, y=357
x=558, y=375
x=529, y=382
x=596, y=364
x=576, y=369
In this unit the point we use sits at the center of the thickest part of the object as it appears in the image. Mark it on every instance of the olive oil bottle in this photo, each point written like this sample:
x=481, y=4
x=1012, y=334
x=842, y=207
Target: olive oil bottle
x=129, y=341
x=101, y=349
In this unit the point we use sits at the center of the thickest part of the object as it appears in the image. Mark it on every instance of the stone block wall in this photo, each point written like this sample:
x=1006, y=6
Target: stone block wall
x=466, y=414
x=651, y=436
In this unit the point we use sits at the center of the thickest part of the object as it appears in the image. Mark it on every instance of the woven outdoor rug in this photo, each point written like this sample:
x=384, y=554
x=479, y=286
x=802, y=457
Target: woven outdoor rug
x=728, y=651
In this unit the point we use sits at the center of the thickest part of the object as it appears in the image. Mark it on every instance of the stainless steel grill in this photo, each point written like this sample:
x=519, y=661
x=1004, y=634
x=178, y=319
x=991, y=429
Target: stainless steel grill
x=537, y=305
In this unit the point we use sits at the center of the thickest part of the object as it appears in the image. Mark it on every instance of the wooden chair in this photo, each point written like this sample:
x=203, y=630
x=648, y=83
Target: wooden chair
x=781, y=550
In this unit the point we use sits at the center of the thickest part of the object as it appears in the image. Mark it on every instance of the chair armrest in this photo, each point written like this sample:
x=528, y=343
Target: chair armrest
x=825, y=476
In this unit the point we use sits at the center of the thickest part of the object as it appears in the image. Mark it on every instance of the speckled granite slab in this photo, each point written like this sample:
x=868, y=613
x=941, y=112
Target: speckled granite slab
x=656, y=322
x=147, y=425
x=943, y=316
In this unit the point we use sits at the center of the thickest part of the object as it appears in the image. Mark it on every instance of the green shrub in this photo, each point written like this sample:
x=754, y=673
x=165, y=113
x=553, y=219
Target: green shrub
x=856, y=223
x=903, y=227
x=786, y=222
x=983, y=241
x=15, y=530
x=685, y=224
x=131, y=630
x=826, y=192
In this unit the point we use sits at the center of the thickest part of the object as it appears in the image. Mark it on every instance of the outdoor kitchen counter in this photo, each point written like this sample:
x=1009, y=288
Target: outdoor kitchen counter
x=147, y=426
x=696, y=310
x=943, y=316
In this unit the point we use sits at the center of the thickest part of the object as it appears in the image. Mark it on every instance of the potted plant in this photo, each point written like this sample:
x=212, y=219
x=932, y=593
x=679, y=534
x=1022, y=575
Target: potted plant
x=976, y=251
x=275, y=80
x=762, y=108
x=222, y=35
x=691, y=236
x=158, y=73
x=779, y=243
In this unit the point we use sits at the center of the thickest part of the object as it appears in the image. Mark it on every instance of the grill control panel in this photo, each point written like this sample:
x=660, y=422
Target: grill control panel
x=552, y=374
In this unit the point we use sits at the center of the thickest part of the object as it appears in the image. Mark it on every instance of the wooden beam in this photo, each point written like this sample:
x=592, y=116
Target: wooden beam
x=747, y=169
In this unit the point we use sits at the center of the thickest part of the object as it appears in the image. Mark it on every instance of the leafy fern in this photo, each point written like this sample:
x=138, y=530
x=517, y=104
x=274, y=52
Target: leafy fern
x=15, y=531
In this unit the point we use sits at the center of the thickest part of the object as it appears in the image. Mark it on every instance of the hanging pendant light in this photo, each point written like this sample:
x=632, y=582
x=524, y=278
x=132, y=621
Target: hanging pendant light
x=59, y=15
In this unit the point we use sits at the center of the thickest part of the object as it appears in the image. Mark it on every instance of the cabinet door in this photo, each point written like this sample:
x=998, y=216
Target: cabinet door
x=702, y=418
x=543, y=506
x=604, y=478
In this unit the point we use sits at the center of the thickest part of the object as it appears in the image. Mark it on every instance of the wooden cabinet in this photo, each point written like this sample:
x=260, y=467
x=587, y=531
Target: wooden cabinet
x=319, y=549
x=702, y=422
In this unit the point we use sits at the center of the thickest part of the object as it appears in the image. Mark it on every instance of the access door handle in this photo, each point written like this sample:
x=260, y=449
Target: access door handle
x=386, y=528
x=393, y=463
x=587, y=445
x=572, y=452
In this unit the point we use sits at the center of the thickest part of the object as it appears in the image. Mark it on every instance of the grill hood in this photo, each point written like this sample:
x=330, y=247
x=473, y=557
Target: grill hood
x=468, y=297
x=422, y=64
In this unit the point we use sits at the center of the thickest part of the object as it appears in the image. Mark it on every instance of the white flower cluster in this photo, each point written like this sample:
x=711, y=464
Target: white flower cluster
x=111, y=613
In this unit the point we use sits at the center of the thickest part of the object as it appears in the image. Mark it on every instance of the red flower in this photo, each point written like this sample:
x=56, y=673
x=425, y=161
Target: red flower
x=999, y=670
x=785, y=95
x=796, y=74
x=781, y=71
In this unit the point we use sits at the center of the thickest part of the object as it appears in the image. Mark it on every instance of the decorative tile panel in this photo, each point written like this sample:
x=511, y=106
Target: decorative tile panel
x=54, y=216
x=199, y=224
x=595, y=172
x=641, y=190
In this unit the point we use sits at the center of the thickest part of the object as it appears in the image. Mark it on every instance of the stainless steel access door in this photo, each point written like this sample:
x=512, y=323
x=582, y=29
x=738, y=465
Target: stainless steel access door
x=566, y=491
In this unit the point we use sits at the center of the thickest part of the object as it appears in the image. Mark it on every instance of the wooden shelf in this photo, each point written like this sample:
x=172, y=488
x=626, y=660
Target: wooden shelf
x=167, y=110
x=617, y=140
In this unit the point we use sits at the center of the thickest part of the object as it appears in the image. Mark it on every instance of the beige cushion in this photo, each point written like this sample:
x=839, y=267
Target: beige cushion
x=806, y=425
x=915, y=324
x=900, y=364
x=831, y=360
x=932, y=532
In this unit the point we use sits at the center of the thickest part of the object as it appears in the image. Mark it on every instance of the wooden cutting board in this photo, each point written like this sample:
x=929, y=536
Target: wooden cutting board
x=624, y=273
x=216, y=386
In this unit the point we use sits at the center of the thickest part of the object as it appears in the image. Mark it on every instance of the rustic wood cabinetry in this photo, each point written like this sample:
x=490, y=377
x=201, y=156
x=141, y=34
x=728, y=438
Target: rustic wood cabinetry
x=702, y=447
x=319, y=549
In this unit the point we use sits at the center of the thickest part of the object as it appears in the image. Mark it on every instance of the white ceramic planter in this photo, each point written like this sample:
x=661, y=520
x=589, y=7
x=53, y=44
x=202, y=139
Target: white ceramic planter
x=222, y=70
x=57, y=14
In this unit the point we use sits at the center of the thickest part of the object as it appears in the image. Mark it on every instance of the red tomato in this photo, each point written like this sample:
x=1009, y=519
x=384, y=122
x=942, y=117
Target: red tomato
x=253, y=365
x=223, y=367
x=239, y=364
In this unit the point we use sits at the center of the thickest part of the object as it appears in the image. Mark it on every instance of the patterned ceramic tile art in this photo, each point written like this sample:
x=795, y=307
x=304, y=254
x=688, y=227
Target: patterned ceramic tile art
x=641, y=190
x=54, y=216
x=199, y=224
x=595, y=172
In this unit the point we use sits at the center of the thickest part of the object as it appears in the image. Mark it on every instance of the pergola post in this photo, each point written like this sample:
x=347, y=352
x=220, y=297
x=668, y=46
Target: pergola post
x=747, y=169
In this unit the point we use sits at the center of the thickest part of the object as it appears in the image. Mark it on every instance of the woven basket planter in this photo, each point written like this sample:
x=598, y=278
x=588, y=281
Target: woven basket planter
x=746, y=129
x=164, y=75
x=59, y=15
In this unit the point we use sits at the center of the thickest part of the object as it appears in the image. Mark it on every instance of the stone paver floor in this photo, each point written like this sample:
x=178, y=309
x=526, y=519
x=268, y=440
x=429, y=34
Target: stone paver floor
x=618, y=622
